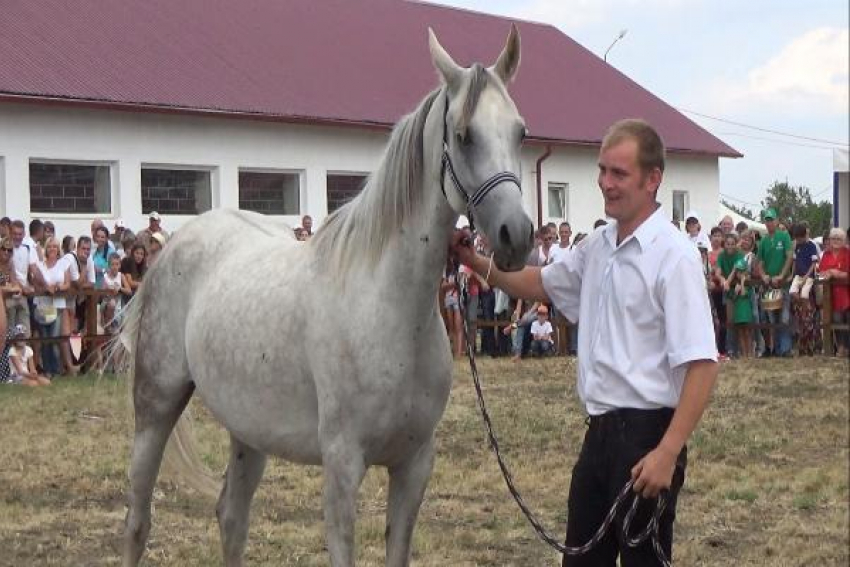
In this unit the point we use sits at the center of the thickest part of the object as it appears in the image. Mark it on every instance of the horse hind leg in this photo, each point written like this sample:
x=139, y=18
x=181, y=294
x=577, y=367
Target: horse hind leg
x=156, y=413
x=408, y=481
x=244, y=472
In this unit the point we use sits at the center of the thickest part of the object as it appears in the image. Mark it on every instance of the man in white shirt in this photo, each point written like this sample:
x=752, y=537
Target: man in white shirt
x=647, y=356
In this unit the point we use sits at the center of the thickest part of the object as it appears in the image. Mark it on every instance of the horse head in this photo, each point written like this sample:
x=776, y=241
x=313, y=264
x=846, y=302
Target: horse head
x=482, y=138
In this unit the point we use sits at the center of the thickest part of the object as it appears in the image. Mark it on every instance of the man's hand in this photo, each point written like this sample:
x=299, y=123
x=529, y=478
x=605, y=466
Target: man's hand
x=461, y=247
x=654, y=472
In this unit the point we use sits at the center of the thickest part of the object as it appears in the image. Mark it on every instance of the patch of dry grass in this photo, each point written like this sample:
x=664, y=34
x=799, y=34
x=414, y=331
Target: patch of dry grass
x=767, y=480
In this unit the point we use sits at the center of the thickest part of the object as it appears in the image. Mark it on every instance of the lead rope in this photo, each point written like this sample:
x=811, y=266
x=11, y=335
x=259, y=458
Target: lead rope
x=651, y=530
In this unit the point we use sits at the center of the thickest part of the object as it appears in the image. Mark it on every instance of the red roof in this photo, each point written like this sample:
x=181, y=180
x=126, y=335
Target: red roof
x=363, y=62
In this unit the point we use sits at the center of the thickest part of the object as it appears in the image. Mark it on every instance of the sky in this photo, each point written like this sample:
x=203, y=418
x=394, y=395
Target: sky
x=777, y=65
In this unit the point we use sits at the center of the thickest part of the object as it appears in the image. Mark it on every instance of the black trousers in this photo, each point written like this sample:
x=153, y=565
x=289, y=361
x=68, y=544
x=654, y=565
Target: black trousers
x=613, y=444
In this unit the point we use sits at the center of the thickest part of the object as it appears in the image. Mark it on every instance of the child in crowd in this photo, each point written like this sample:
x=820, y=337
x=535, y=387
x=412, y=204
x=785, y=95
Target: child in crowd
x=21, y=364
x=542, y=343
x=114, y=283
x=806, y=257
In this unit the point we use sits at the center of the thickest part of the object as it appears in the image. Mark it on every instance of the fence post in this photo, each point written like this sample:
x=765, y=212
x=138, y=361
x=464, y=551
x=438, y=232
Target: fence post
x=826, y=317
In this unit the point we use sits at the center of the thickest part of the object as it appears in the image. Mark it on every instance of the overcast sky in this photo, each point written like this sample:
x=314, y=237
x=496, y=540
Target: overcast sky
x=775, y=64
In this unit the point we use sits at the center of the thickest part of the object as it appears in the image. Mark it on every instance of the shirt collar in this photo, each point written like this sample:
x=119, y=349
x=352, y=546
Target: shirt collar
x=644, y=234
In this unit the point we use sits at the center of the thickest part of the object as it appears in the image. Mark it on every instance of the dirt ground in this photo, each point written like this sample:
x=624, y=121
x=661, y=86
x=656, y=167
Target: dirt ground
x=767, y=479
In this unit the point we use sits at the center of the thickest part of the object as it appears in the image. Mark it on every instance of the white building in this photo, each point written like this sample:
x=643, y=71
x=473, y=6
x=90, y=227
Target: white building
x=284, y=108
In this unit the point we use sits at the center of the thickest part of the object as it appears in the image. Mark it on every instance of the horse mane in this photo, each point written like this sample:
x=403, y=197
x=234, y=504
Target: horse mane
x=359, y=230
x=357, y=233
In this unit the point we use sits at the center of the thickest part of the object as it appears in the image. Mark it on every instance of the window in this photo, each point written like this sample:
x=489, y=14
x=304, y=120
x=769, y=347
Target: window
x=270, y=193
x=680, y=205
x=342, y=188
x=61, y=187
x=176, y=191
x=558, y=201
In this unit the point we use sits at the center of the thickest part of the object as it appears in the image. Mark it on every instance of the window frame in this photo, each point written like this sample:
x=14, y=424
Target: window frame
x=564, y=188
x=114, y=189
x=211, y=170
x=299, y=173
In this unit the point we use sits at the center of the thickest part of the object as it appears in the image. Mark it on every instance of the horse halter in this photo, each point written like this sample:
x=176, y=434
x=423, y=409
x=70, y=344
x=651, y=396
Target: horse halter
x=483, y=190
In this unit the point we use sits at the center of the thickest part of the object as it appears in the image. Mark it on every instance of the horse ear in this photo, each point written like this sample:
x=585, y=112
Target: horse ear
x=506, y=65
x=444, y=63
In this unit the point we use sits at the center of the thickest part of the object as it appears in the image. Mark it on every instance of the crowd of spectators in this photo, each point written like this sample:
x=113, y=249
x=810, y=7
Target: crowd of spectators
x=766, y=292
x=44, y=281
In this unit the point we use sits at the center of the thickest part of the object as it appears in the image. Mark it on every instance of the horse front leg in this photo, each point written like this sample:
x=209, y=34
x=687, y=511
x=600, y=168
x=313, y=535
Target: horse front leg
x=408, y=481
x=344, y=469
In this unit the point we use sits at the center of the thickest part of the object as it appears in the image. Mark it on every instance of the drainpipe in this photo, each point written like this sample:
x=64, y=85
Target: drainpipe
x=539, y=170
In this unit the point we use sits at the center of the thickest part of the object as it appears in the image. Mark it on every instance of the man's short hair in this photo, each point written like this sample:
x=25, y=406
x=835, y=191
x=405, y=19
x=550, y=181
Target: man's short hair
x=35, y=226
x=17, y=223
x=84, y=239
x=5, y=221
x=716, y=230
x=799, y=230
x=565, y=224
x=741, y=227
x=598, y=223
x=651, y=152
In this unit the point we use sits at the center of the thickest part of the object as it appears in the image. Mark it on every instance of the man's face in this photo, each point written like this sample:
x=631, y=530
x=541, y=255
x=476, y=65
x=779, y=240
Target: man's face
x=692, y=227
x=770, y=224
x=726, y=225
x=17, y=235
x=564, y=233
x=626, y=189
x=153, y=225
x=83, y=250
x=548, y=238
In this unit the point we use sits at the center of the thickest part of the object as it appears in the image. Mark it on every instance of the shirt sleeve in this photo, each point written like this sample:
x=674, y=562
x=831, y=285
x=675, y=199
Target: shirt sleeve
x=562, y=281
x=687, y=313
x=33, y=253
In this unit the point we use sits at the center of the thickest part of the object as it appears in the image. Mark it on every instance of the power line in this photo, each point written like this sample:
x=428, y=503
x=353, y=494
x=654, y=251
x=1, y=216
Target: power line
x=775, y=141
x=760, y=129
x=740, y=201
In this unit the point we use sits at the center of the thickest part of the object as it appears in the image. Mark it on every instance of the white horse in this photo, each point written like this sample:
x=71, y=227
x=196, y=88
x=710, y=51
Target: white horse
x=332, y=352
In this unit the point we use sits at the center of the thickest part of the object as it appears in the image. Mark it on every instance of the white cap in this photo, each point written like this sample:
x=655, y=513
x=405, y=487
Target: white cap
x=691, y=215
x=154, y=215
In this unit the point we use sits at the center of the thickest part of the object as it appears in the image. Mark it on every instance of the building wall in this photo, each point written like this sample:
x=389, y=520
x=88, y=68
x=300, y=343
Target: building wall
x=128, y=140
x=577, y=168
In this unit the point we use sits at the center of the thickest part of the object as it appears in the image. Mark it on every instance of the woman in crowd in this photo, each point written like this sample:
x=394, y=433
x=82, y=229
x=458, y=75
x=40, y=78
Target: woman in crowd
x=49, y=304
x=715, y=291
x=731, y=271
x=15, y=304
x=451, y=303
x=68, y=315
x=156, y=244
x=748, y=247
x=834, y=268
x=133, y=268
x=100, y=255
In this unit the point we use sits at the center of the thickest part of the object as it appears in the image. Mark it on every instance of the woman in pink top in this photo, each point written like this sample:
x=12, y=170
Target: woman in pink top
x=834, y=267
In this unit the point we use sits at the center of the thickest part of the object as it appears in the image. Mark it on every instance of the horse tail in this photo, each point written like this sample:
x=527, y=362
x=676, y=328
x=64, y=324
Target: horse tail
x=181, y=458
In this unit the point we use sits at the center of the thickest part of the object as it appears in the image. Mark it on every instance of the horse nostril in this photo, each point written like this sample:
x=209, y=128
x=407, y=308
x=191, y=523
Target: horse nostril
x=505, y=237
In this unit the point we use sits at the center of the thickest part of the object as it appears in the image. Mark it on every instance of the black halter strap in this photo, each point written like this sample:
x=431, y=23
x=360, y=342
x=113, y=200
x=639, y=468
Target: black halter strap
x=482, y=191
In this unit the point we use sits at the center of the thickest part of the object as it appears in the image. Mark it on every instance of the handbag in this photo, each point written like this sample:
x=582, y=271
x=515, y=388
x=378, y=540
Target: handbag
x=45, y=313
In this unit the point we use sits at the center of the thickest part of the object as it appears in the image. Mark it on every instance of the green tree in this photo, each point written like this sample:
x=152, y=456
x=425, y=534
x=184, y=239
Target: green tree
x=795, y=204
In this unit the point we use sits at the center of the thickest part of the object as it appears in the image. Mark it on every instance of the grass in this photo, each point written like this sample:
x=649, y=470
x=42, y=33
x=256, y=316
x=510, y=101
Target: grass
x=767, y=479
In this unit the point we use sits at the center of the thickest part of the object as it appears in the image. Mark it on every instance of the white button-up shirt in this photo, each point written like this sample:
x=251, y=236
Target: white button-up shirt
x=644, y=314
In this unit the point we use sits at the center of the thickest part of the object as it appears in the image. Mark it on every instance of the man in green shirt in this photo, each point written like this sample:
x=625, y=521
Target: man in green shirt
x=775, y=254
